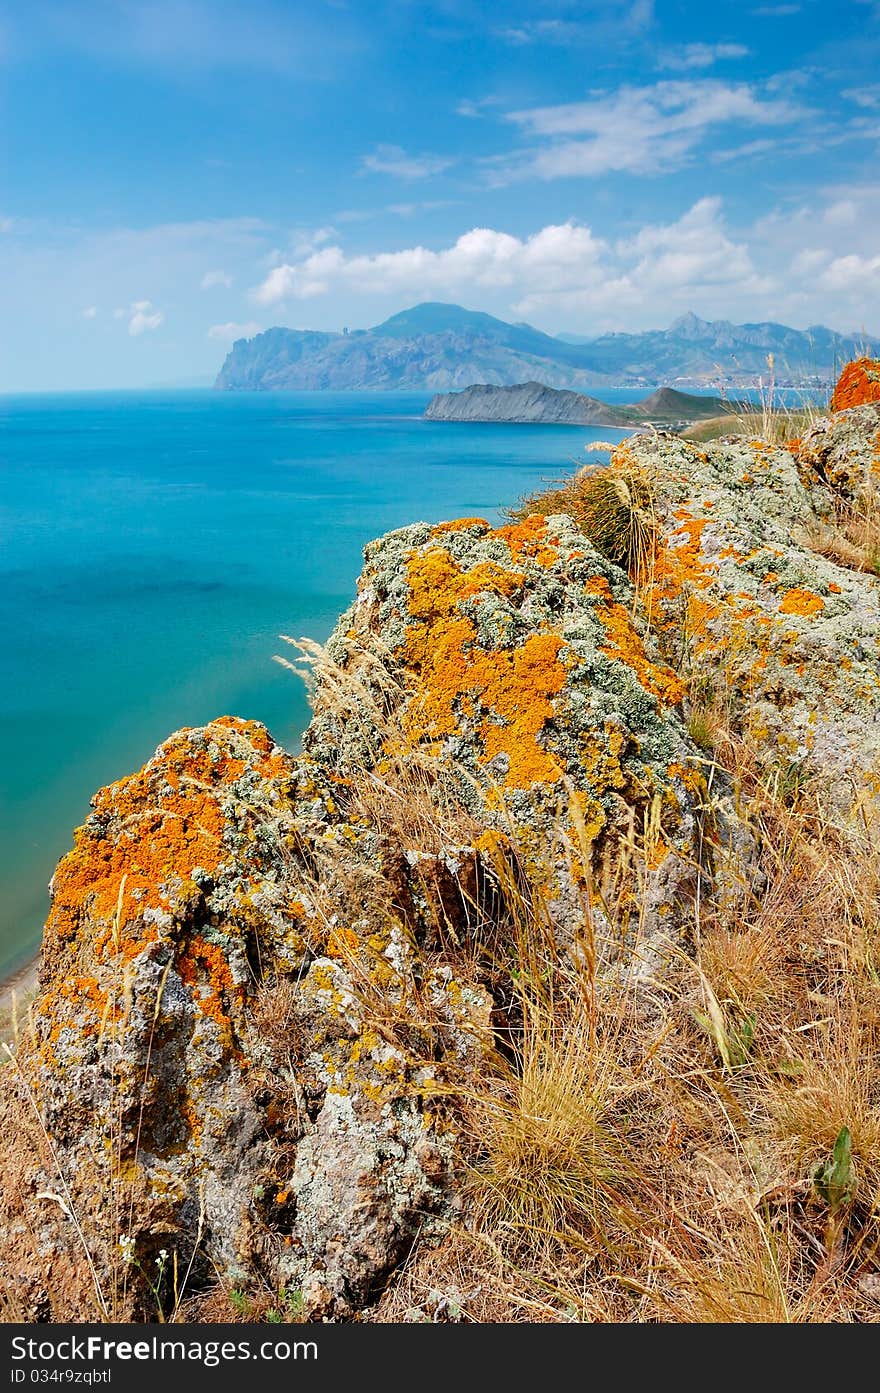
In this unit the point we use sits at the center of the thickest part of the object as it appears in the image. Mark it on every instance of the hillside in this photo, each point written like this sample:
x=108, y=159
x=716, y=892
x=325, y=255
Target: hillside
x=534, y=404
x=440, y=347
x=699, y=349
x=431, y=346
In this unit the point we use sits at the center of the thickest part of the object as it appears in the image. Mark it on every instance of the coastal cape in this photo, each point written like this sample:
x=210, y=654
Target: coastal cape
x=532, y=403
x=269, y=984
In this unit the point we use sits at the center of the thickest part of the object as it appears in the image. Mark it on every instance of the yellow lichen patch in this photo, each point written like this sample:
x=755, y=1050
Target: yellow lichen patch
x=437, y=584
x=508, y=692
x=600, y=760
x=678, y=565
x=803, y=602
x=458, y=525
x=342, y=942
x=203, y=967
x=526, y=539
x=625, y=644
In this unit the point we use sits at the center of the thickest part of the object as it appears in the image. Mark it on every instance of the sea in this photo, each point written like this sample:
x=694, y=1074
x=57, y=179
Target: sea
x=153, y=547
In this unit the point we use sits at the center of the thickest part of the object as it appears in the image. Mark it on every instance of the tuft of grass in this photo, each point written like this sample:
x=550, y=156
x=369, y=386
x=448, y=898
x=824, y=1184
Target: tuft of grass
x=852, y=541
x=772, y=419
x=614, y=505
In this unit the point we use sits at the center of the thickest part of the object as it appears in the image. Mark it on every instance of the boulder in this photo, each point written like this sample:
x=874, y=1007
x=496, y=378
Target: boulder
x=209, y=1074
x=858, y=384
x=742, y=601
x=516, y=659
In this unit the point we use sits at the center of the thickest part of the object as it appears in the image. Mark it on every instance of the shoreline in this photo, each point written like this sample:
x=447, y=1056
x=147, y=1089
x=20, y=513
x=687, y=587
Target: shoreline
x=22, y=984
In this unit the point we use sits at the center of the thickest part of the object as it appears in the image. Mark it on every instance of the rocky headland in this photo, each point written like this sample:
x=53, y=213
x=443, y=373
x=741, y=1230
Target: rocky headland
x=533, y=403
x=585, y=815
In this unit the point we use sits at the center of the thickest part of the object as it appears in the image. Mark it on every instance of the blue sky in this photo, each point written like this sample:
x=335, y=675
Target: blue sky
x=177, y=173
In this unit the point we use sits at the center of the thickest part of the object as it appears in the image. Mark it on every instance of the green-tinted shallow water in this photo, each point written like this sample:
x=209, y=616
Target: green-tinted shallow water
x=153, y=546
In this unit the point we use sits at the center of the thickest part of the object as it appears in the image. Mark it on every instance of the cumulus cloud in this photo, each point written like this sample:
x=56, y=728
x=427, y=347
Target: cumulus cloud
x=696, y=251
x=482, y=258
x=852, y=273
x=228, y=333
x=637, y=130
x=558, y=269
x=691, y=56
x=394, y=160
x=144, y=318
x=90, y=312
x=211, y=279
x=809, y=264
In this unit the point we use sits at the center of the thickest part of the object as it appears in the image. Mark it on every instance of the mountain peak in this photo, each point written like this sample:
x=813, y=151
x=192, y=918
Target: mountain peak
x=689, y=322
x=437, y=317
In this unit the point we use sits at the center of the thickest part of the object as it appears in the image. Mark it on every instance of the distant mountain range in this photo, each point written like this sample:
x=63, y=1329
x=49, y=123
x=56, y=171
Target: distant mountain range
x=438, y=347
x=531, y=403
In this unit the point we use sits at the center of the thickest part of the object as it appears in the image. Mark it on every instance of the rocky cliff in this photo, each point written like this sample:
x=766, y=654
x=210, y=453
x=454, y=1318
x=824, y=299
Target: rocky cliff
x=533, y=403
x=271, y=986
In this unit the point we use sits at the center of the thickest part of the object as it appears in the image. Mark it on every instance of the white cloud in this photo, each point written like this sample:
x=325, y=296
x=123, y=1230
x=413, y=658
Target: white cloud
x=90, y=312
x=474, y=107
x=552, y=273
x=605, y=20
x=851, y=274
x=639, y=130
x=7, y=224
x=696, y=251
x=842, y=213
x=306, y=240
x=393, y=160
x=817, y=263
x=228, y=333
x=865, y=97
x=481, y=258
x=691, y=56
x=211, y=279
x=553, y=31
x=144, y=318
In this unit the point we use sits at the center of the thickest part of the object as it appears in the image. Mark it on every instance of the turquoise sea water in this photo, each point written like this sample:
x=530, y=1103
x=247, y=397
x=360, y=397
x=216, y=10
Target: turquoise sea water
x=154, y=545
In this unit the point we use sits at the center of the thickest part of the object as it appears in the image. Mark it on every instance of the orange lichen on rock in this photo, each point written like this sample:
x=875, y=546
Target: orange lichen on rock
x=802, y=602
x=203, y=966
x=508, y=692
x=625, y=644
x=170, y=823
x=457, y=525
x=858, y=384
x=678, y=565
x=526, y=539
